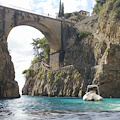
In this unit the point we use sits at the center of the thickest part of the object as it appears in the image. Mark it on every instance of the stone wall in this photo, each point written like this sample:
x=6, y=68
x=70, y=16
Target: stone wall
x=54, y=61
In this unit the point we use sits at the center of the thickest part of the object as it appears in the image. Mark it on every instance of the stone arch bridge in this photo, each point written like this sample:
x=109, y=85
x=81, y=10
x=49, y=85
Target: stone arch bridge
x=51, y=28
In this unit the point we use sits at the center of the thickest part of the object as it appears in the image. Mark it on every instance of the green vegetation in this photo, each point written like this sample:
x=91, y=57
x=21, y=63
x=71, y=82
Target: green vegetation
x=41, y=52
x=29, y=72
x=76, y=74
x=82, y=34
x=24, y=72
x=35, y=60
x=102, y=43
x=41, y=49
x=61, y=9
x=43, y=75
x=72, y=16
x=98, y=6
x=107, y=50
x=111, y=6
x=55, y=80
x=116, y=8
x=49, y=75
x=117, y=13
x=67, y=15
x=95, y=72
x=116, y=4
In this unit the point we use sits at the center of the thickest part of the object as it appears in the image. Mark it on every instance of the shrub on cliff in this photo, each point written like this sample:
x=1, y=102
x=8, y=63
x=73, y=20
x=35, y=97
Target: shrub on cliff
x=116, y=4
x=116, y=8
x=24, y=72
x=35, y=60
x=98, y=6
x=29, y=72
x=117, y=14
x=72, y=16
x=82, y=34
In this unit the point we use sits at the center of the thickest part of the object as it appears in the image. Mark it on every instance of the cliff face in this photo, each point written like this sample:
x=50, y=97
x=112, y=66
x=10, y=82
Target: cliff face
x=95, y=60
x=66, y=82
x=107, y=75
x=60, y=83
x=8, y=86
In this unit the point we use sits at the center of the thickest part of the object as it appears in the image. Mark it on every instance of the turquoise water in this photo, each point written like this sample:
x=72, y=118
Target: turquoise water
x=58, y=108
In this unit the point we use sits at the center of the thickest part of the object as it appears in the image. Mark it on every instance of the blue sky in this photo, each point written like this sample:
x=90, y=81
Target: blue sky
x=19, y=38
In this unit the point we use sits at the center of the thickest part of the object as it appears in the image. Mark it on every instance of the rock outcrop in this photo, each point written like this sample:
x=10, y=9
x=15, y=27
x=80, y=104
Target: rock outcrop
x=67, y=82
x=107, y=75
x=8, y=86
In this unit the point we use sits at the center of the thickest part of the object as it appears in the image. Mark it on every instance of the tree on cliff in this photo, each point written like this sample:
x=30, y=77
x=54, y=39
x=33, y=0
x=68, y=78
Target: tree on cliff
x=61, y=9
x=98, y=6
x=41, y=48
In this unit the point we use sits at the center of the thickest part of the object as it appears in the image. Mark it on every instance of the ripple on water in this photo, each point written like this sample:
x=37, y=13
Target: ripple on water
x=46, y=108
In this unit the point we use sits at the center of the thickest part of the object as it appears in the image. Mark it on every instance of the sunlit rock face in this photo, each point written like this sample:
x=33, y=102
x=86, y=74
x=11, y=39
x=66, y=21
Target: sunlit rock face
x=62, y=83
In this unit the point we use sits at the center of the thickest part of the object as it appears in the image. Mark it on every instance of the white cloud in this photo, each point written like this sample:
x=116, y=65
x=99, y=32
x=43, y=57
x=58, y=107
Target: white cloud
x=74, y=5
x=93, y=2
x=18, y=3
x=47, y=6
x=71, y=6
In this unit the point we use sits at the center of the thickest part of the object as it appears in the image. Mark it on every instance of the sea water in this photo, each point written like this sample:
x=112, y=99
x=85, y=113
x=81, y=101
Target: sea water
x=58, y=108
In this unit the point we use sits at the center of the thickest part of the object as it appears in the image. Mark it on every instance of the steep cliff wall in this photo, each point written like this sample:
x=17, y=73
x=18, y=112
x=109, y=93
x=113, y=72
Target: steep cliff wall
x=8, y=86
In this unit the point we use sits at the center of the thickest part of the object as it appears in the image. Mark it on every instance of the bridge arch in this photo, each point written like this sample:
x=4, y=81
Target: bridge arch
x=45, y=29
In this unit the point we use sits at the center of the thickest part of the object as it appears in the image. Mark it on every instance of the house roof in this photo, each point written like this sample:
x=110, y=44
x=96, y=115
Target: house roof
x=83, y=11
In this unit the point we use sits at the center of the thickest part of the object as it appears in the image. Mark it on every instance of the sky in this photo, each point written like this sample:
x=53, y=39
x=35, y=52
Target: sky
x=20, y=38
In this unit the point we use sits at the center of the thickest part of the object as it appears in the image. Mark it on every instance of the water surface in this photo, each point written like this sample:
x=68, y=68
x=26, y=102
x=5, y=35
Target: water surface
x=58, y=108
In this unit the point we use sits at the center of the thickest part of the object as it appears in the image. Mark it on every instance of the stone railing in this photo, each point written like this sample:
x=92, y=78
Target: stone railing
x=37, y=13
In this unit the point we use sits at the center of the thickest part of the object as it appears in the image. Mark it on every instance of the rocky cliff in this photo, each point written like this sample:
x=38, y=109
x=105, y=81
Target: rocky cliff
x=8, y=86
x=67, y=82
x=92, y=56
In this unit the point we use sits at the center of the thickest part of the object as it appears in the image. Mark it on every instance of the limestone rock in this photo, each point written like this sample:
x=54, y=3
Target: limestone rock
x=57, y=83
x=8, y=86
x=107, y=75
